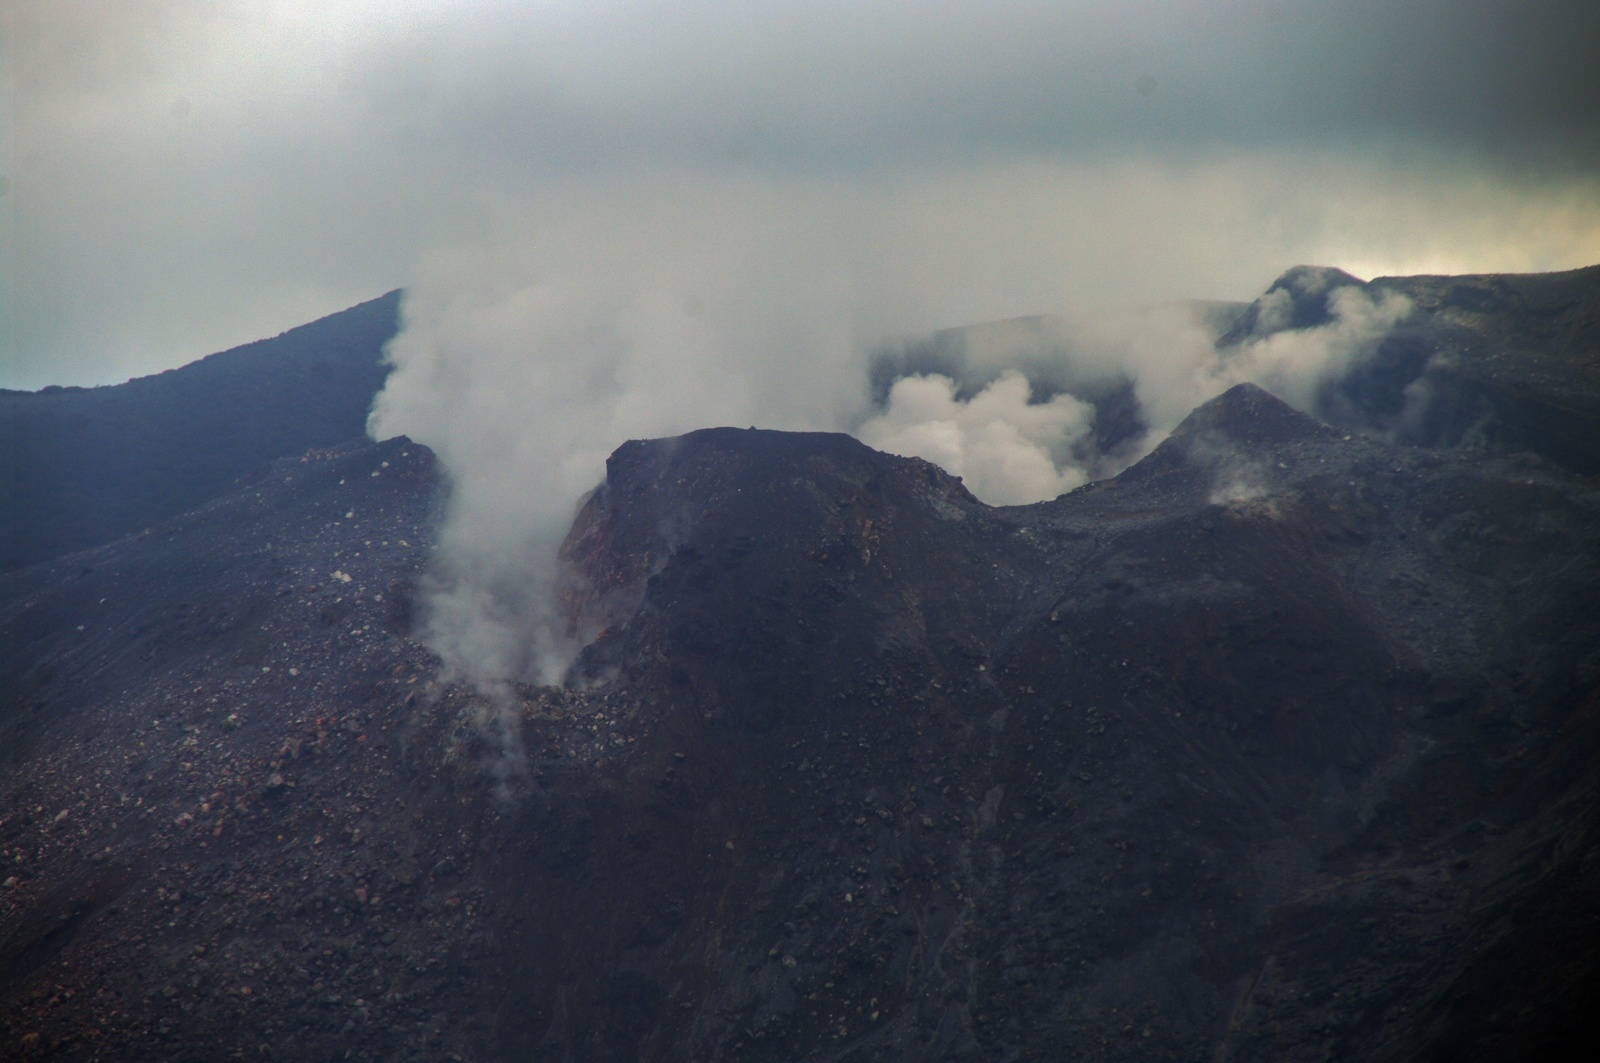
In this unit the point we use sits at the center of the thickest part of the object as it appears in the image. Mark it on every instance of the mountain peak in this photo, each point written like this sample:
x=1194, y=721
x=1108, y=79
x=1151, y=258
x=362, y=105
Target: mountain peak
x=1250, y=414
x=1315, y=704
x=1298, y=299
x=1310, y=280
x=731, y=491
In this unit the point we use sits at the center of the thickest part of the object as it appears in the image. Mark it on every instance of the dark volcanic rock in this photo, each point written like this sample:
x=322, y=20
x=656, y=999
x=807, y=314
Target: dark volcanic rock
x=1512, y=364
x=1500, y=363
x=1244, y=752
x=1280, y=745
x=82, y=466
x=207, y=839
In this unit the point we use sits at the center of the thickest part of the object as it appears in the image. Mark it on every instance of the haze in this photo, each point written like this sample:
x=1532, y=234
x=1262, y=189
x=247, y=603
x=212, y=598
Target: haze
x=184, y=176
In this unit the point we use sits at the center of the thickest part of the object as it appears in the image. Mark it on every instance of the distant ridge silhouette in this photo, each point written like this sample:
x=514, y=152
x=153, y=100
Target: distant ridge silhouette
x=83, y=466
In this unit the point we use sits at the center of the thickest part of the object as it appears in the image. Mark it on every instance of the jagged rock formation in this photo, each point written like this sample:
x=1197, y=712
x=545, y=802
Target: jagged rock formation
x=1280, y=745
x=82, y=466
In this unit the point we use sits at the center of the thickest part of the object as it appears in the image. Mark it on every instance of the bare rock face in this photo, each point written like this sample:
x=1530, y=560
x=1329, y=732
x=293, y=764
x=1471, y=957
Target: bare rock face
x=1280, y=745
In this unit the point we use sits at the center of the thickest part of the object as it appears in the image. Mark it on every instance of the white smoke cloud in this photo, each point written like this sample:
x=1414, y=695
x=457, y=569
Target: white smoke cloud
x=1008, y=450
x=1294, y=364
x=653, y=307
x=527, y=358
x=1173, y=358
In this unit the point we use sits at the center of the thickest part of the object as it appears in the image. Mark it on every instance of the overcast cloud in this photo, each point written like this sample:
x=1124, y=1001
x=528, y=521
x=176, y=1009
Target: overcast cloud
x=185, y=175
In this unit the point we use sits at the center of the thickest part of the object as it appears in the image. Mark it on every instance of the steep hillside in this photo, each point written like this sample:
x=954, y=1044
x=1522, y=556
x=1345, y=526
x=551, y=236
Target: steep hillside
x=82, y=466
x=1282, y=744
x=1494, y=363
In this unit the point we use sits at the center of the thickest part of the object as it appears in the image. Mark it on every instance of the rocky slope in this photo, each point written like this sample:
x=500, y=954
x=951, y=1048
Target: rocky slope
x=1280, y=745
x=82, y=466
x=1492, y=363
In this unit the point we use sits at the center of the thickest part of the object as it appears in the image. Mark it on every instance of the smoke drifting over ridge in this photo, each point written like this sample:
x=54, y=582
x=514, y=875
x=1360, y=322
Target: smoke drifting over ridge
x=655, y=309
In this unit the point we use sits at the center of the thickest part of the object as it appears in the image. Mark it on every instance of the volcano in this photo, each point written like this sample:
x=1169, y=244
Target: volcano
x=1283, y=743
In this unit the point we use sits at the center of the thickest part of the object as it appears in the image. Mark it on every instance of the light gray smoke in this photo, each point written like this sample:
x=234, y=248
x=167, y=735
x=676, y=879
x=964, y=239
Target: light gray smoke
x=528, y=355
x=1009, y=449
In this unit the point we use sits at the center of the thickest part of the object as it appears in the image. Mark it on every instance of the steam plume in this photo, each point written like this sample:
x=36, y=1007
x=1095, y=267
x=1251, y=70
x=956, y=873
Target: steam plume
x=652, y=309
x=1008, y=449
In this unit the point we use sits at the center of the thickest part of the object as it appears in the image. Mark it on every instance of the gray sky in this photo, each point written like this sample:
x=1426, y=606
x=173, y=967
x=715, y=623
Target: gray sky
x=187, y=175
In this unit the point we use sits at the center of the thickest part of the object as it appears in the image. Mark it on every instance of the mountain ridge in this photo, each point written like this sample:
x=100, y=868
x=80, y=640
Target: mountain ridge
x=1284, y=742
x=81, y=466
